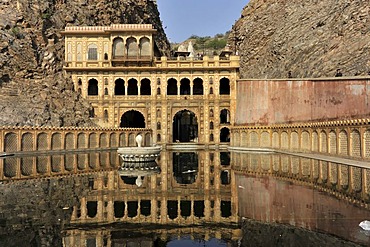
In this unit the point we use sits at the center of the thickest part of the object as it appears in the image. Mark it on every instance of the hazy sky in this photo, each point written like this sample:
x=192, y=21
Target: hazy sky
x=183, y=18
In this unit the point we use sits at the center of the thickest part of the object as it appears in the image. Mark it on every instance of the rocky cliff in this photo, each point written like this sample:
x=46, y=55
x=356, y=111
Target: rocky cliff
x=303, y=38
x=34, y=90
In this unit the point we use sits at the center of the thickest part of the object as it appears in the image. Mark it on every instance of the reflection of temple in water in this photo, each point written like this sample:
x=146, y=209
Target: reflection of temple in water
x=192, y=189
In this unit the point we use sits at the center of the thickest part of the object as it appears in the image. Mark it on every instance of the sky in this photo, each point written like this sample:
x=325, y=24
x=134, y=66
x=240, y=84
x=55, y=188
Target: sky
x=183, y=18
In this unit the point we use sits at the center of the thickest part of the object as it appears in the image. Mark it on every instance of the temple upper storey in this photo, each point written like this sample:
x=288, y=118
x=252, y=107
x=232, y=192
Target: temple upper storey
x=114, y=45
x=129, y=45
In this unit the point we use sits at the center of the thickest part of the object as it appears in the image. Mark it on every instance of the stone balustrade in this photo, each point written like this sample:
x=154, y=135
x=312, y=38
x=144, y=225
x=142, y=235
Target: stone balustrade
x=346, y=139
x=36, y=139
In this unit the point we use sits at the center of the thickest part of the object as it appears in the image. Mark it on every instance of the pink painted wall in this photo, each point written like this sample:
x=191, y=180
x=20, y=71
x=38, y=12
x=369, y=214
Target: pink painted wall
x=282, y=101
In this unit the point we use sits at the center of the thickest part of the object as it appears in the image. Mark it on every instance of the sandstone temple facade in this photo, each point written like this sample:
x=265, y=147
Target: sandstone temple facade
x=122, y=74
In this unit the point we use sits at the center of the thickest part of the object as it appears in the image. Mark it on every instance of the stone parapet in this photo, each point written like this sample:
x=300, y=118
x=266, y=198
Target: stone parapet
x=36, y=139
x=342, y=138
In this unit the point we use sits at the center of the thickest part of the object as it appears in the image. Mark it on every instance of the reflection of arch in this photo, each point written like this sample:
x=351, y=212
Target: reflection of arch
x=224, y=86
x=185, y=86
x=185, y=167
x=118, y=47
x=132, y=88
x=225, y=135
x=92, y=52
x=119, y=87
x=132, y=119
x=145, y=49
x=145, y=87
x=198, y=86
x=185, y=126
x=225, y=177
x=224, y=116
x=172, y=86
x=92, y=87
x=132, y=48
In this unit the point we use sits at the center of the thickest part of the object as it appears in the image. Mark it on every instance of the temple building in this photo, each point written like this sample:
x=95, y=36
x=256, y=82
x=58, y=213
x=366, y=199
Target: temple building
x=121, y=72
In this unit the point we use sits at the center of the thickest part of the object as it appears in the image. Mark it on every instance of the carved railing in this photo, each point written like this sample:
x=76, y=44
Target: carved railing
x=345, y=139
x=36, y=139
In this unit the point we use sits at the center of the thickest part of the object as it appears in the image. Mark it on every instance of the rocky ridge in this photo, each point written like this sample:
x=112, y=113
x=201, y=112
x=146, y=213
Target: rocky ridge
x=308, y=38
x=34, y=90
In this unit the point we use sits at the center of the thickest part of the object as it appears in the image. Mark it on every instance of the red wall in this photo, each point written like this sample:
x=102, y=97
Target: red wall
x=282, y=101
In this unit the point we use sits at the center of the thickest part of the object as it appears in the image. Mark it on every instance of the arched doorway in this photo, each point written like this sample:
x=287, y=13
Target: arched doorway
x=132, y=119
x=185, y=127
x=225, y=135
x=92, y=88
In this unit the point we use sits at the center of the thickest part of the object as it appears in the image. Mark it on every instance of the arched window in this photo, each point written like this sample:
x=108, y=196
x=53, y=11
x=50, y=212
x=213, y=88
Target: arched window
x=225, y=116
x=119, y=88
x=185, y=86
x=93, y=87
x=105, y=91
x=132, y=88
x=145, y=49
x=118, y=47
x=92, y=52
x=211, y=90
x=224, y=86
x=132, y=48
x=172, y=87
x=145, y=87
x=211, y=125
x=225, y=135
x=198, y=86
x=79, y=82
x=159, y=91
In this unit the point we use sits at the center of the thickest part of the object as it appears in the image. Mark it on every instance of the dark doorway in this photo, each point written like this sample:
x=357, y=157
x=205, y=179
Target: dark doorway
x=225, y=116
x=198, y=86
x=185, y=86
x=132, y=119
x=185, y=127
x=172, y=87
x=132, y=88
x=225, y=135
x=119, y=87
x=145, y=87
x=224, y=86
x=93, y=87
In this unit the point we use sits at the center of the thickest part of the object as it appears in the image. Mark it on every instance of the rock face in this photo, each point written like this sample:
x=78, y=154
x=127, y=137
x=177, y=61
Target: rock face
x=309, y=38
x=34, y=90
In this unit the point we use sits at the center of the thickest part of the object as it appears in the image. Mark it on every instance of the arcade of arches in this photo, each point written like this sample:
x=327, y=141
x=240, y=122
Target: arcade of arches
x=130, y=84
